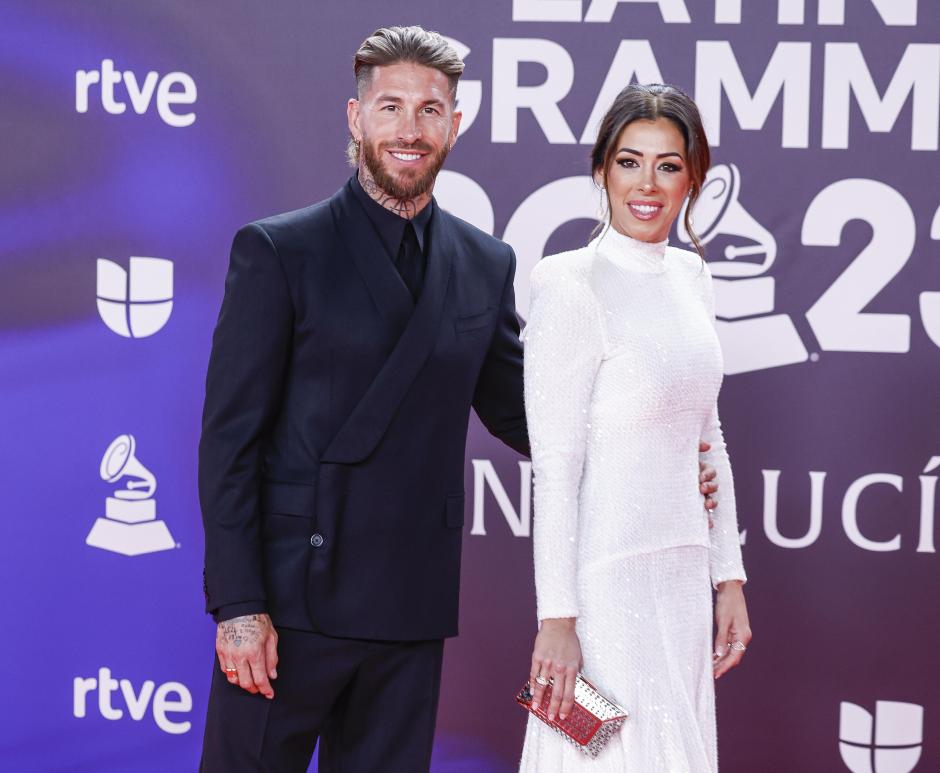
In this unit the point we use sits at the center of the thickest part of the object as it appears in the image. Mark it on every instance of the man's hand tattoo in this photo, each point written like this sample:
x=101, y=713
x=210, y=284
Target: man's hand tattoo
x=245, y=629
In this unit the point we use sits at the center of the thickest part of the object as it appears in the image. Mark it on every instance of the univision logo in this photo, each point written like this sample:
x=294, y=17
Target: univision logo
x=135, y=303
x=889, y=742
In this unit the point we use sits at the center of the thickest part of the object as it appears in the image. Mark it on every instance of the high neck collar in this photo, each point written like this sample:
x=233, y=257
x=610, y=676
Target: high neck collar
x=630, y=253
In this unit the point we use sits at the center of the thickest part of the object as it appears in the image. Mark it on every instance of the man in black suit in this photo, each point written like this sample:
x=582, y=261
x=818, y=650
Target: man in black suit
x=354, y=337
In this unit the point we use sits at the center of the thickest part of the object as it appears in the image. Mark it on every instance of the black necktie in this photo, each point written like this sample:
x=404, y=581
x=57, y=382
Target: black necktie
x=410, y=261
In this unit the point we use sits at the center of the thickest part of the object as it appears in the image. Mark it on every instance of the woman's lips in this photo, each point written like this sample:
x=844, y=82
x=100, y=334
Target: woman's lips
x=644, y=210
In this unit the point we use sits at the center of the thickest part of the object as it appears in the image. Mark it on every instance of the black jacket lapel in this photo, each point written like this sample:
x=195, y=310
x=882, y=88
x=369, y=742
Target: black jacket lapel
x=366, y=425
x=358, y=236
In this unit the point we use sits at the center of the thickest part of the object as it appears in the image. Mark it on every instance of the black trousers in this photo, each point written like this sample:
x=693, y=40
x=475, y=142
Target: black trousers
x=372, y=705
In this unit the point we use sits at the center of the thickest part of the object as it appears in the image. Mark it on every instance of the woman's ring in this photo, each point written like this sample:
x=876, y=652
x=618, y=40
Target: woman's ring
x=737, y=646
x=542, y=680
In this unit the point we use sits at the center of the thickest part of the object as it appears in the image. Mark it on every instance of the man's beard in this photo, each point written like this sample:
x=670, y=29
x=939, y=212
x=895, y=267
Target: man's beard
x=406, y=186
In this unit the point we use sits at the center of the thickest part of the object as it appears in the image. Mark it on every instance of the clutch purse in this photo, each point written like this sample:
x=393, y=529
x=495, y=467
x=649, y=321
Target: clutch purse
x=592, y=722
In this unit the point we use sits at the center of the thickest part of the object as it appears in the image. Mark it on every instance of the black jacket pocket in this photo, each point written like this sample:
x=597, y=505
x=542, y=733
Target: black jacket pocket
x=470, y=322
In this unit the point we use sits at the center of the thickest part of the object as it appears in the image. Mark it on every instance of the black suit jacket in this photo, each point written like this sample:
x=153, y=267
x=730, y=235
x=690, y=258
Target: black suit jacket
x=331, y=462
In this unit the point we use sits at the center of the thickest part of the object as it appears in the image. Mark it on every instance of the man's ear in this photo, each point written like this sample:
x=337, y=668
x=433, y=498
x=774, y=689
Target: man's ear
x=352, y=118
x=455, y=126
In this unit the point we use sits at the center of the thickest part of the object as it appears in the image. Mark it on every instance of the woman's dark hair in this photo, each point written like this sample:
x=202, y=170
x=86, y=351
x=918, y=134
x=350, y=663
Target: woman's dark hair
x=647, y=103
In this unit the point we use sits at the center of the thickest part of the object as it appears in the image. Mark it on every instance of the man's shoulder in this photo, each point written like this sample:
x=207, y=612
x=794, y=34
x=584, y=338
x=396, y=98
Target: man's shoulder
x=297, y=222
x=476, y=241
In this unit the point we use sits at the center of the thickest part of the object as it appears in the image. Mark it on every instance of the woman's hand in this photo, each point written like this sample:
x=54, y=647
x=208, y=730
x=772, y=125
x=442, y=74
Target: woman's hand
x=556, y=656
x=706, y=482
x=734, y=629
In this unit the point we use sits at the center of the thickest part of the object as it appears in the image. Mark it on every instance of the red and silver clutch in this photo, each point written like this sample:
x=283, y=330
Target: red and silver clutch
x=592, y=722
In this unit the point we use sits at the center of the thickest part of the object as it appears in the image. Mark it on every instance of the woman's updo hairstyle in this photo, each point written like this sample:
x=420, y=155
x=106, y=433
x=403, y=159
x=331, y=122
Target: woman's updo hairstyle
x=647, y=103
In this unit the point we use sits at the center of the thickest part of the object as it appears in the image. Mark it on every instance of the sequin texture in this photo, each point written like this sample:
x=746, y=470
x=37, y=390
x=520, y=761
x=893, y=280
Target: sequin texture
x=622, y=373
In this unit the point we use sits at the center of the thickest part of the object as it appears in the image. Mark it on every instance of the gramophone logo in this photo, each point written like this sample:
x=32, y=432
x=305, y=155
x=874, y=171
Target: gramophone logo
x=752, y=337
x=889, y=742
x=135, y=303
x=130, y=525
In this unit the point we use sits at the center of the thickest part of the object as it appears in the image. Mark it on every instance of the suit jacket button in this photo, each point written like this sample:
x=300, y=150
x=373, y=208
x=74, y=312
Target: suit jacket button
x=317, y=540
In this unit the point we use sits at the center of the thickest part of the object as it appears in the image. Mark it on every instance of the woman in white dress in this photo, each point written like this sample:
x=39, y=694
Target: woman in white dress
x=622, y=372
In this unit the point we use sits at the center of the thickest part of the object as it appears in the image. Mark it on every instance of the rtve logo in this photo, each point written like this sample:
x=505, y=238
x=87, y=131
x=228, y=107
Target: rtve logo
x=889, y=742
x=135, y=303
x=140, y=94
x=168, y=698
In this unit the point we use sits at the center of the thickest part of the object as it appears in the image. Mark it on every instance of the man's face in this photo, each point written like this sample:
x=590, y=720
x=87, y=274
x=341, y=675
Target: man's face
x=407, y=124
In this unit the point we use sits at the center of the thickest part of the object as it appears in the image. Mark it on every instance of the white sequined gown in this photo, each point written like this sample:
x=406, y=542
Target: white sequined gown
x=622, y=372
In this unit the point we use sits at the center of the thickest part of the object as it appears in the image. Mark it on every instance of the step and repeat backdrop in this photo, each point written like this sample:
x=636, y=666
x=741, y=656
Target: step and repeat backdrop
x=138, y=136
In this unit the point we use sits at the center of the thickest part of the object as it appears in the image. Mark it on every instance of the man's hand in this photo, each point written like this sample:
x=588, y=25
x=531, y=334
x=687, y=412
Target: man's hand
x=706, y=476
x=247, y=650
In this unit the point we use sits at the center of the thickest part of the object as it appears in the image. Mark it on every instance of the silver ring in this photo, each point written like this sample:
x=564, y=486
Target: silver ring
x=542, y=681
x=231, y=670
x=737, y=646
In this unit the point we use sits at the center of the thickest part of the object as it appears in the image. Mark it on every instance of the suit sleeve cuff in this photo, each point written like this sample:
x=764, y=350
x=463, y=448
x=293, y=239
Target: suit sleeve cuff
x=229, y=611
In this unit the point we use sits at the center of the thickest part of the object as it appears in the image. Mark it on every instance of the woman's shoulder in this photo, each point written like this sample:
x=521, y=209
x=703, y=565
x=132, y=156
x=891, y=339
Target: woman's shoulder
x=570, y=268
x=689, y=263
x=688, y=259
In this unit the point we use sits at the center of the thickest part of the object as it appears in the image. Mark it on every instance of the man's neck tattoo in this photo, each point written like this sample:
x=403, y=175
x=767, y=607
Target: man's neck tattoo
x=406, y=208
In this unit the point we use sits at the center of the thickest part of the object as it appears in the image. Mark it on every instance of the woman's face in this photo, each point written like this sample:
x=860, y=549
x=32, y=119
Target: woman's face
x=648, y=179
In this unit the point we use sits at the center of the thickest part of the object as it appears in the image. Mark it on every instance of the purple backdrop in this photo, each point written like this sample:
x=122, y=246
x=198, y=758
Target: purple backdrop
x=153, y=130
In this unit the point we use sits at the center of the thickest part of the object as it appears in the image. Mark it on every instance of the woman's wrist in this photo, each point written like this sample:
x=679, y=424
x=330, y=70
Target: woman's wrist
x=567, y=623
x=730, y=585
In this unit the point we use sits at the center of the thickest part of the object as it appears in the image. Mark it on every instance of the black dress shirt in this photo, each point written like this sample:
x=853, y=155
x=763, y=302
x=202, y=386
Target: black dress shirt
x=391, y=227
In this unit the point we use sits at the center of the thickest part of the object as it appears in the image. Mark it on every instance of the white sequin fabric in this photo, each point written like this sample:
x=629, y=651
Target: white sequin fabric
x=622, y=373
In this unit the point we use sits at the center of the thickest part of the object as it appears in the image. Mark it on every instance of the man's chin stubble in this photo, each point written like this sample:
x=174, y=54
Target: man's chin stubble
x=421, y=186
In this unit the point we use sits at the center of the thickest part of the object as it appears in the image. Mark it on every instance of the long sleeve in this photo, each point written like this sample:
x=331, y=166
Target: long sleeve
x=497, y=398
x=725, y=553
x=563, y=349
x=725, y=559
x=250, y=351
